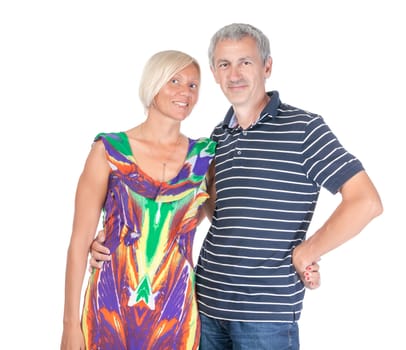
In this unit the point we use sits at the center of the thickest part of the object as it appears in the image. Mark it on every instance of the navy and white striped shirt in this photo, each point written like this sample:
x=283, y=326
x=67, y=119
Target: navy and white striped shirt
x=268, y=179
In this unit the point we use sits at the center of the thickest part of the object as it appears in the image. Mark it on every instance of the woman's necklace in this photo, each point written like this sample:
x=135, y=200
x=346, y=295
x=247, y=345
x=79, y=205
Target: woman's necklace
x=166, y=160
x=164, y=163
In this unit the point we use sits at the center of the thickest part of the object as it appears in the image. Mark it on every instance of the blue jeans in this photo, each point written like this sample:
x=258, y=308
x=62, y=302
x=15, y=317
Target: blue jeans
x=235, y=335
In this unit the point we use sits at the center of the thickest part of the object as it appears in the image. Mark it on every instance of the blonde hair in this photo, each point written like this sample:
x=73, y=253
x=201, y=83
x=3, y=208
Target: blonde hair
x=159, y=69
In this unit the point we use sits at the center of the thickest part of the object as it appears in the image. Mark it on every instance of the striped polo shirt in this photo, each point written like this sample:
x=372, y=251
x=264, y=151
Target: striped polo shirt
x=268, y=179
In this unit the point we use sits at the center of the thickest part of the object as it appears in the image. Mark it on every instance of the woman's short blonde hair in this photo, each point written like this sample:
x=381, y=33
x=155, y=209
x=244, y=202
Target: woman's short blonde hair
x=159, y=69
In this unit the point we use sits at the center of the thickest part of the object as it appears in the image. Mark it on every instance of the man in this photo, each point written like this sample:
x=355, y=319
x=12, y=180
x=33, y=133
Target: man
x=271, y=161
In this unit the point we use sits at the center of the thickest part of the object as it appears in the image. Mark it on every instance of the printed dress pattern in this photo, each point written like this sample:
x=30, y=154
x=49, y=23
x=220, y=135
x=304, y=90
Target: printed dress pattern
x=144, y=298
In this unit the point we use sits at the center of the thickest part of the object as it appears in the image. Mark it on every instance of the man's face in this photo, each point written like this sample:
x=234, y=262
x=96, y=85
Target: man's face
x=240, y=71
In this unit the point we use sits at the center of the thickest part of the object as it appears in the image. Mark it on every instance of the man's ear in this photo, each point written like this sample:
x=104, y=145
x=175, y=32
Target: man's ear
x=268, y=67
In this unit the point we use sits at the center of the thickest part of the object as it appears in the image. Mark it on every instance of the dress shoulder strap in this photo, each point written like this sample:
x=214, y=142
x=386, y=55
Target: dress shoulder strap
x=115, y=140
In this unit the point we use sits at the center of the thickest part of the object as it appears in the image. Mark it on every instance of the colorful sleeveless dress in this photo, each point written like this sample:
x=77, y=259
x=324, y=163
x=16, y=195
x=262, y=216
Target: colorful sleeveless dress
x=144, y=298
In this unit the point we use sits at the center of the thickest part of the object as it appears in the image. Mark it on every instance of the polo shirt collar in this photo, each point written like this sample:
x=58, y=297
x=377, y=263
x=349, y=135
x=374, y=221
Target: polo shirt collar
x=270, y=110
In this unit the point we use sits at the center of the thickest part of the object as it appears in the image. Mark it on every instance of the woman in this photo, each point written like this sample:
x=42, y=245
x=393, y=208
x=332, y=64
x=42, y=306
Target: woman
x=149, y=184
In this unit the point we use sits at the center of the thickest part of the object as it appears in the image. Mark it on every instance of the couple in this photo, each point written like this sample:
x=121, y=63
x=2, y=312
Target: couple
x=257, y=179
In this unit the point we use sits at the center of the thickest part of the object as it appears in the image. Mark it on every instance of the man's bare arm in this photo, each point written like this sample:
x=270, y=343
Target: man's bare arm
x=210, y=203
x=360, y=204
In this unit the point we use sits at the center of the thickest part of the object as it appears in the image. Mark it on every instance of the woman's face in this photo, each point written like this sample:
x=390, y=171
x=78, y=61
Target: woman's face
x=179, y=95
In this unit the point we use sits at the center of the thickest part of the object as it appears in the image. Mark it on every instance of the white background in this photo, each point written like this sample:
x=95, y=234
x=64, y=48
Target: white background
x=70, y=69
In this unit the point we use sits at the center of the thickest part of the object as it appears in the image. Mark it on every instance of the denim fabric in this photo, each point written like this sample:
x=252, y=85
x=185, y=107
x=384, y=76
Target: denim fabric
x=235, y=335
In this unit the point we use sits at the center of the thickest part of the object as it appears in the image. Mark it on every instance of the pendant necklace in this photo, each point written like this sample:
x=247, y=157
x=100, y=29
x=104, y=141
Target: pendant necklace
x=165, y=162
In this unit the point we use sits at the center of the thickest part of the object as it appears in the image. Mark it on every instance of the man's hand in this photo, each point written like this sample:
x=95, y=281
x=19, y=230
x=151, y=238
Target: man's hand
x=98, y=252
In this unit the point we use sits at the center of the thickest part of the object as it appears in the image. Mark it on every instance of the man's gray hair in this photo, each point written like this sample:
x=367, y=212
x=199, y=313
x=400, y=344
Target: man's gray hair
x=238, y=31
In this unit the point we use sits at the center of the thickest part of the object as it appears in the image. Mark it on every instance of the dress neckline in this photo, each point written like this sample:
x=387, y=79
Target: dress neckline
x=132, y=158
